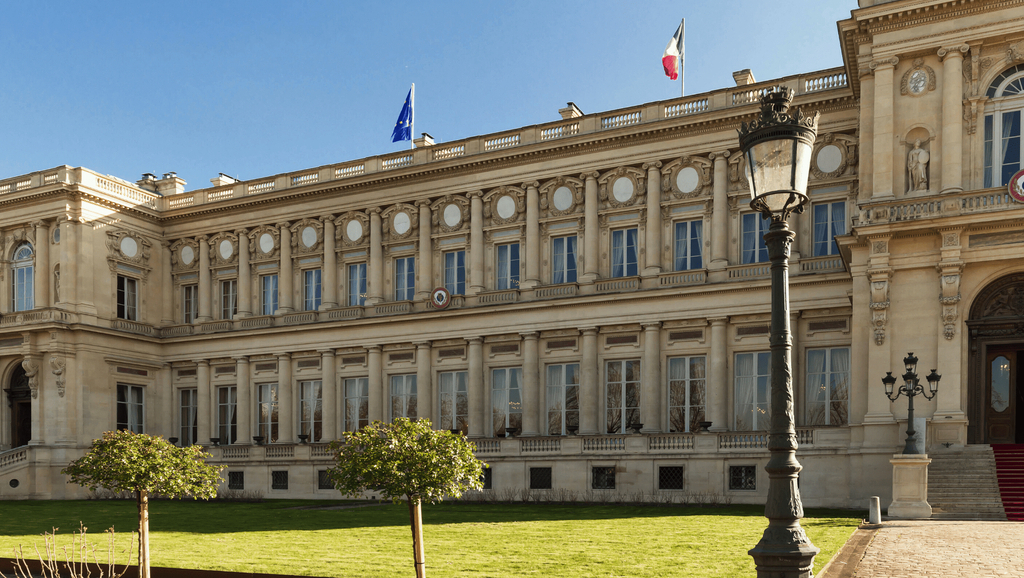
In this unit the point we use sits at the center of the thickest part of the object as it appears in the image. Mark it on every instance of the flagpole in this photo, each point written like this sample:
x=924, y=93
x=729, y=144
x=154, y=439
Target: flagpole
x=412, y=117
x=682, y=59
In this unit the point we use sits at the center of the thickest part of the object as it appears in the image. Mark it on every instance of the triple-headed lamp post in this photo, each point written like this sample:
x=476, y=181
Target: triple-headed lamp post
x=777, y=149
x=911, y=387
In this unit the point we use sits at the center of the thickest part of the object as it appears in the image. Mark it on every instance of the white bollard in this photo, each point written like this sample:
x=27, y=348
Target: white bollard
x=874, y=511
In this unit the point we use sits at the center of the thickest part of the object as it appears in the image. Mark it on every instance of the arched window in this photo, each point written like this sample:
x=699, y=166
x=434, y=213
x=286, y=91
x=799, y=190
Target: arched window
x=23, y=293
x=1003, y=151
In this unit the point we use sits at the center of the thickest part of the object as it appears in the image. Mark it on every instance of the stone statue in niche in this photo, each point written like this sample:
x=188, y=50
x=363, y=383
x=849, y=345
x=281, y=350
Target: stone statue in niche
x=917, y=164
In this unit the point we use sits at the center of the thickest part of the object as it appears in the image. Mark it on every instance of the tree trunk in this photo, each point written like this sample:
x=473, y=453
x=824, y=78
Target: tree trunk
x=416, y=518
x=143, y=501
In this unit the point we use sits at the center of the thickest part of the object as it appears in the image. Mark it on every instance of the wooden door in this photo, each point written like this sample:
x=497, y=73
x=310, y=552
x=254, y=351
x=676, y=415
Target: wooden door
x=21, y=424
x=1001, y=395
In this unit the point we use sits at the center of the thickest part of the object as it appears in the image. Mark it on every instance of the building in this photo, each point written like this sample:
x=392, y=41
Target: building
x=608, y=283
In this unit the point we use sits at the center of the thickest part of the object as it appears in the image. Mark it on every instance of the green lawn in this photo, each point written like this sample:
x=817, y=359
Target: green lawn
x=462, y=539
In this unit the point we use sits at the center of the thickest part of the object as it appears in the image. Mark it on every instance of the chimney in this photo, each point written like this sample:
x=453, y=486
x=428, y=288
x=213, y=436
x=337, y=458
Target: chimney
x=148, y=182
x=222, y=180
x=424, y=141
x=570, y=111
x=170, y=185
x=744, y=77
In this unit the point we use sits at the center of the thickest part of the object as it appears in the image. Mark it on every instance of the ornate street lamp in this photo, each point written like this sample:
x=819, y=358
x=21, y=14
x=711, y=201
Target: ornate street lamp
x=777, y=147
x=911, y=387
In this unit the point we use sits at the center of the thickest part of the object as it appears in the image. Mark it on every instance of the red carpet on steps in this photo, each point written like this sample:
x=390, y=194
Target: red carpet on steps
x=1010, y=471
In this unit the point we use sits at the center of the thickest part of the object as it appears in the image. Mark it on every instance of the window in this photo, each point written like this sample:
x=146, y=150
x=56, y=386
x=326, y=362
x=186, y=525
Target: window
x=357, y=285
x=311, y=410
x=686, y=390
x=622, y=383
x=357, y=403
x=22, y=269
x=188, y=410
x=540, y=478
x=506, y=400
x=624, y=253
x=311, y=289
x=268, y=294
x=829, y=221
x=266, y=412
x=742, y=477
x=236, y=480
x=127, y=298
x=752, y=388
x=688, y=244
x=563, y=259
x=403, y=396
x=828, y=386
x=487, y=478
x=405, y=278
x=454, y=402
x=670, y=478
x=279, y=480
x=1002, y=145
x=130, y=408
x=228, y=298
x=455, y=272
x=323, y=481
x=602, y=478
x=227, y=414
x=754, y=227
x=563, y=398
x=189, y=303
x=507, y=276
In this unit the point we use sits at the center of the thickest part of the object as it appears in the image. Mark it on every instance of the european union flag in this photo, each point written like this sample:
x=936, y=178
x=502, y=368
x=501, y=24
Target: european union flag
x=403, y=128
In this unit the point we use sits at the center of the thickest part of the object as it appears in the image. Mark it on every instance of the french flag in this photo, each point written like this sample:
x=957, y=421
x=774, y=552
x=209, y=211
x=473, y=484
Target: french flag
x=673, y=54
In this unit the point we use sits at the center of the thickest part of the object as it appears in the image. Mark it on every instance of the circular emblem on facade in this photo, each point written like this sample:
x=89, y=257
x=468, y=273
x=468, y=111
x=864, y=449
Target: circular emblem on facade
x=687, y=180
x=402, y=222
x=506, y=207
x=226, y=249
x=562, y=199
x=187, y=255
x=308, y=237
x=452, y=215
x=129, y=248
x=354, y=230
x=829, y=158
x=440, y=298
x=622, y=189
x=917, y=82
x=266, y=243
x=1016, y=186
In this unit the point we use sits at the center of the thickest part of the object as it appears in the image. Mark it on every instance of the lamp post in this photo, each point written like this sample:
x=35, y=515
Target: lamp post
x=777, y=148
x=911, y=387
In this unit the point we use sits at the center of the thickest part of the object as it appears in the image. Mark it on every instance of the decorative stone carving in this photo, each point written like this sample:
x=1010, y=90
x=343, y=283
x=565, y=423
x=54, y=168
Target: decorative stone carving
x=504, y=205
x=400, y=221
x=687, y=177
x=184, y=255
x=561, y=196
x=833, y=153
x=1015, y=52
x=949, y=295
x=31, y=372
x=919, y=79
x=917, y=167
x=450, y=213
x=622, y=187
x=353, y=229
x=57, y=365
x=264, y=243
x=880, y=302
x=891, y=61
x=879, y=247
x=130, y=249
x=307, y=236
x=223, y=249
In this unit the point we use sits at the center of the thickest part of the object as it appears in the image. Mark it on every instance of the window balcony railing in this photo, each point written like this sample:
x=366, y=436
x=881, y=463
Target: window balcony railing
x=618, y=285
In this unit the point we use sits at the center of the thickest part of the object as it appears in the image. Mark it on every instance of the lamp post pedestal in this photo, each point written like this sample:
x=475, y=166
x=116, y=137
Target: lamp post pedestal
x=784, y=550
x=910, y=486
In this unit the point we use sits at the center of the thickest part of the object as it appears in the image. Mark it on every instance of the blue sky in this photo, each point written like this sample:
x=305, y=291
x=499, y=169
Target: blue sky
x=254, y=88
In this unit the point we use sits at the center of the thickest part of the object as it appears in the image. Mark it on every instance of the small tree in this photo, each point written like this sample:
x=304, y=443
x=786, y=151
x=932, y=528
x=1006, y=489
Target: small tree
x=122, y=461
x=407, y=459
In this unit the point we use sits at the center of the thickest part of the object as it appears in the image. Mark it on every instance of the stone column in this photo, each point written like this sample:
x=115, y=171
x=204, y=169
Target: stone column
x=205, y=283
x=329, y=383
x=69, y=263
x=591, y=233
x=653, y=252
x=286, y=279
x=532, y=399
x=425, y=401
x=882, y=156
x=33, y=366
x=651, y=404
x=285, y=407
x=720, y=213
x=42, y=264
x=476, y=388
x=867, y=134
x=374, y=362
x=532, y=252
x=166, y=285
x=590, y=384
x=204, y=412
x=952, y=119
x=330, y=268
x=425, y=266
x=476, y=243
x=244, y=278
x=375, y=271
x=717, y=383
x=244, y=410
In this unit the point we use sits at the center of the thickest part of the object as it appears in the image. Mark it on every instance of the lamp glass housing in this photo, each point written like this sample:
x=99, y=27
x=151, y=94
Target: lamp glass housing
x=889, y=382
x=777, y=172
x=933, y=381
x=910, y=361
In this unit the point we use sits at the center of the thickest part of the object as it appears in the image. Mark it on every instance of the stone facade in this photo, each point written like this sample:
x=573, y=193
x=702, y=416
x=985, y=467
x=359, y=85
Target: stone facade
x=608, y=293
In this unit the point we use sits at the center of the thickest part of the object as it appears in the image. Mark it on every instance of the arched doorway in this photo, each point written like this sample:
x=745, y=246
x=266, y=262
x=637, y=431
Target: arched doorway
x=19, y=399
x=995, y=403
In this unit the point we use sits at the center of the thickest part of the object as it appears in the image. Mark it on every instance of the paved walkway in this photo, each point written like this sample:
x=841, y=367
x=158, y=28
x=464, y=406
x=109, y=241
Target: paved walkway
x=946, y=548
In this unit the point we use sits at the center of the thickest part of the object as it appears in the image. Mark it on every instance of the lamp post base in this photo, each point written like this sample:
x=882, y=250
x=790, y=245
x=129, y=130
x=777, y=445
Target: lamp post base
x=794, y=561
x=910, y=487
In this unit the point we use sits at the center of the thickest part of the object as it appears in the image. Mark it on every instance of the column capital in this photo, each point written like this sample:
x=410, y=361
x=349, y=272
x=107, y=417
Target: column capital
x=201, y=239
x=422, y=344
x=284, y=226
x=475, y=340
x=652, y=165
x=201, y=362
x=39, y=224
x=374, y=349
x=718, y=320
x=530, y=185
x=423, y=203
x=165, y=244
x=240, y=358
x=475, y=194
x=284, y=356
x=590, y=175
x=373, y=211
x=651, y=326
x=589, y=330
x=326, y=352
x=720, y=155
x=956, y=50
x=328, y=218
x=529, y=335
x=890, y=62
x=241, y=233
